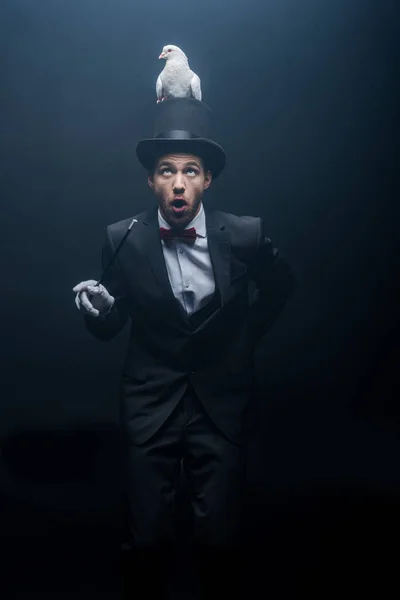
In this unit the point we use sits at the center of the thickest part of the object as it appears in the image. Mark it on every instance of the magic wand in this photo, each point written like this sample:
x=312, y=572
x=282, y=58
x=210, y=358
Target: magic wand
x=114, y=256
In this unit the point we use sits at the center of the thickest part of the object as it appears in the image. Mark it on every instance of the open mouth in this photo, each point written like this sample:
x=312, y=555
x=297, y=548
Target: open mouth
x=178, y=205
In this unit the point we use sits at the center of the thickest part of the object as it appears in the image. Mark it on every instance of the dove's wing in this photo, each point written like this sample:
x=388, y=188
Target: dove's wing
x=159, y=88
x=195, y=87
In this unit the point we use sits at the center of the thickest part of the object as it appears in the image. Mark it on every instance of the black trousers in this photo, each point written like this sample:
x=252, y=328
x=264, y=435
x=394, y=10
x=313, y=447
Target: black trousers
x=215, y=471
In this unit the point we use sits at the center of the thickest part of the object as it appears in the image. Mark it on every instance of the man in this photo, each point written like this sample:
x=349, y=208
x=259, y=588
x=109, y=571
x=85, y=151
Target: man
x=201, y=288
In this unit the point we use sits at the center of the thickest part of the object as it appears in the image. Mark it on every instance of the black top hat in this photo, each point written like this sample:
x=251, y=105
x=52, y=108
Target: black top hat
x=182, y=125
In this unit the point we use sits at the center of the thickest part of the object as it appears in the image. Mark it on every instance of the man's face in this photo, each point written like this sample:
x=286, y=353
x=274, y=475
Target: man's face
x=179, y=181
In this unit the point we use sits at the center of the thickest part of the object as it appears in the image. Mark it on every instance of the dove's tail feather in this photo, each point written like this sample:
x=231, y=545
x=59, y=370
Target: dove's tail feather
x=195, y=86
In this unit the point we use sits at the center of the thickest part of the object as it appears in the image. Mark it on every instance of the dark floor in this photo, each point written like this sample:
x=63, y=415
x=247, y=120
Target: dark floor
x=62, y=527
x=304, y=551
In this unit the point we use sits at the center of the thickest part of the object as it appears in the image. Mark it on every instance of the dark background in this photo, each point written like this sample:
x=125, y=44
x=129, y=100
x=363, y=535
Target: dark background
x=304, y=95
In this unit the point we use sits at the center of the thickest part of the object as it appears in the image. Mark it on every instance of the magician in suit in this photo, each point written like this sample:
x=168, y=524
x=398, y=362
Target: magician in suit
x=200, y=288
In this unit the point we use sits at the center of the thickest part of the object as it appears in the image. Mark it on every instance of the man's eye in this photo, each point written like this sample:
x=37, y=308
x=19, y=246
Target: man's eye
x=164, y=170
x=193, y=170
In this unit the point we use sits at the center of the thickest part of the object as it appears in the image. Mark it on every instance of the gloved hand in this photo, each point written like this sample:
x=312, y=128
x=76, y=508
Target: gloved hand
x=100, y=301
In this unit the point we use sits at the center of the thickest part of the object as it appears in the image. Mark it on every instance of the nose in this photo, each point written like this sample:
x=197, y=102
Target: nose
x=179, y=185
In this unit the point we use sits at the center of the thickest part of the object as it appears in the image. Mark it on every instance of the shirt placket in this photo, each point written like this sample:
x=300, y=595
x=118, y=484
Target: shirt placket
x=182, y=259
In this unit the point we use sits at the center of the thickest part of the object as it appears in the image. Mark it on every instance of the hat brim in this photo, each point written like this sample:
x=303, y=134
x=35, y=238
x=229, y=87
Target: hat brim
x=148, y=151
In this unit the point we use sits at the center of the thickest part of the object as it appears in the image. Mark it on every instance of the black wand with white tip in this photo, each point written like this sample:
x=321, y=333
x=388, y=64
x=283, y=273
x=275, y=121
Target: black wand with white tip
x=114, y=256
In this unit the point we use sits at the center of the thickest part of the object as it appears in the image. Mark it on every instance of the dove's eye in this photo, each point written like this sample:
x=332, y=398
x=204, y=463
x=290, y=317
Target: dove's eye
x=169, y=49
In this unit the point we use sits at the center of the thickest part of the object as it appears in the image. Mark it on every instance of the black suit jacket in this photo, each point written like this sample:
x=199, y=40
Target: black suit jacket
x=166, y=348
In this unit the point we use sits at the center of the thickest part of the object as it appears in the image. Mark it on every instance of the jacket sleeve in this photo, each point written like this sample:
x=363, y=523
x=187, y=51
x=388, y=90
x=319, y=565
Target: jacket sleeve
x=107, y=327
x=275, y=283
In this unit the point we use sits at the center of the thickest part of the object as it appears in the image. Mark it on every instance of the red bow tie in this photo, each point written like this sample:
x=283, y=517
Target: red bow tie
x=187, y=235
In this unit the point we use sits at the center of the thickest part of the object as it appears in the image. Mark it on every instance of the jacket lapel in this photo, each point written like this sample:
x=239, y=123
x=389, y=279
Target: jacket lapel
x=219, y=248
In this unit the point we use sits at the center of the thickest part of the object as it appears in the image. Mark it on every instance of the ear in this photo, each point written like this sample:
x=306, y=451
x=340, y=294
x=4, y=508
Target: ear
x=150, y=181
x=207, y=180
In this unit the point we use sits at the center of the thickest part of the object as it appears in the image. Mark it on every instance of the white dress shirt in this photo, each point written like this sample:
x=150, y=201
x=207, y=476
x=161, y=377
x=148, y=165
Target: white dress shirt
x=189, y=266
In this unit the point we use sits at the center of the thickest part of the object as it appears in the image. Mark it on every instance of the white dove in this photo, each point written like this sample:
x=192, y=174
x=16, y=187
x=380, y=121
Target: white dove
x=176, y=80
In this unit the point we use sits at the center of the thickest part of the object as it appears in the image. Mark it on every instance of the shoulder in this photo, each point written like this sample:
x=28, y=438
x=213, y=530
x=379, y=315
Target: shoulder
x=233, y=221
x=239, y=227
x=244, y=232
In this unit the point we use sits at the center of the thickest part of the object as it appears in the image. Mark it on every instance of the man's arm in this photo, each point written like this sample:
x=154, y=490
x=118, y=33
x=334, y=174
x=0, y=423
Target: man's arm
x=275, y=283
x=108, y=326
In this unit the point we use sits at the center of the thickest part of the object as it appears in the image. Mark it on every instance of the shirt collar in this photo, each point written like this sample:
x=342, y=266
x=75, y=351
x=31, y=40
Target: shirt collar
x=199, y=222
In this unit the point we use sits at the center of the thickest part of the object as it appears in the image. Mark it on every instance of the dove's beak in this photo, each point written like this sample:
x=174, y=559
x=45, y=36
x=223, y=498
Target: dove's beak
x=162, y=55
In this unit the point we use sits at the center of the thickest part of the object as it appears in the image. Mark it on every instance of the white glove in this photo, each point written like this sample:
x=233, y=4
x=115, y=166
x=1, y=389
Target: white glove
x=99, y=304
